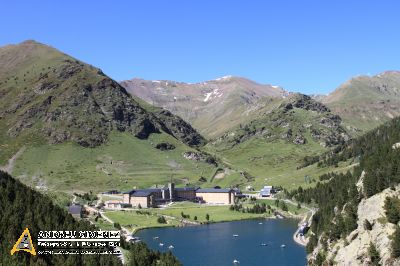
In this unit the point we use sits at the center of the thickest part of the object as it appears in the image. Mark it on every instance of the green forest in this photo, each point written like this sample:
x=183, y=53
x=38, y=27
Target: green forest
x=379, y=159
x=22, y=207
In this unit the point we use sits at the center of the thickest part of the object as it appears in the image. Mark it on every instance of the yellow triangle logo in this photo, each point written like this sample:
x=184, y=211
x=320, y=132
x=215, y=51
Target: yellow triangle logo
x=24, y=243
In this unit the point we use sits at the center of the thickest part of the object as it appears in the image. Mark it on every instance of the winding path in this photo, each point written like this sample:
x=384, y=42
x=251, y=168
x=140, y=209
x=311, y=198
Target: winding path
x=11, y=162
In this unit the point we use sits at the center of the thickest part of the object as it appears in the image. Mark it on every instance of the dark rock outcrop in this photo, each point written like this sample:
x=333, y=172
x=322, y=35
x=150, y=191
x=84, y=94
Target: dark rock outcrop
x=200, y=157
x=165, y=146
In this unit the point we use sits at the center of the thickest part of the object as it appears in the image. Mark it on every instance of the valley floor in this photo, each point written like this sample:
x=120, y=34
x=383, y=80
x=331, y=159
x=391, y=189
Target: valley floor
x=195, y=214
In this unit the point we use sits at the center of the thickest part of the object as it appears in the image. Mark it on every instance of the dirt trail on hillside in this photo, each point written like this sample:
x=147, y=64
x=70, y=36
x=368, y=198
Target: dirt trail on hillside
x=11, y=162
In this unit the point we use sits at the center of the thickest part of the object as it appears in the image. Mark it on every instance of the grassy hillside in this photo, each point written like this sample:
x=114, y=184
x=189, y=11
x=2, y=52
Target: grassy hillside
x=122, y=163
x=271, y=148
x=49, y=97
x=276, y=163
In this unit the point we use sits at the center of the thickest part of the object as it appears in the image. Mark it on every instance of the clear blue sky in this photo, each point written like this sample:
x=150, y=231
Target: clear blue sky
x=307, y=46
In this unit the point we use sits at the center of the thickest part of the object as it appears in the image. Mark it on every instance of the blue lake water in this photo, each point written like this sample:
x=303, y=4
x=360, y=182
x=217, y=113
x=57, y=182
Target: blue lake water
x=215, y=244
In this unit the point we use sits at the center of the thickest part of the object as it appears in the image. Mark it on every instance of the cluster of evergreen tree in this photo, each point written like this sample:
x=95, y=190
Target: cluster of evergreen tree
x=141, y=255
x=337, y=201
x=374, y=141
x=256, y=208
x=281, y=204
x=338, y=198
x=22, y=207
x=396, y=243
x=392, y=209
x=308, y=160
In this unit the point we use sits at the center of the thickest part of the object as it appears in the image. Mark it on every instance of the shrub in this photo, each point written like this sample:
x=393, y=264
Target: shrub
x=367, y=225
x=161, y=220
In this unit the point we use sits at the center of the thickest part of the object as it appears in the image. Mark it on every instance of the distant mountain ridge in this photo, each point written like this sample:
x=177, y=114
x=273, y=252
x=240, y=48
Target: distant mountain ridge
x=212, y=106
x=365, y=102
x=217, y=106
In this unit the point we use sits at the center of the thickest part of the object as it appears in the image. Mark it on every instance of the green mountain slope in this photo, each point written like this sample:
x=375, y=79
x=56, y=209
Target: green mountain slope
x=272, y=147
x=65, y=114
x=121, y=163
x=365, y=102
x=49, y=95
x=298, y=119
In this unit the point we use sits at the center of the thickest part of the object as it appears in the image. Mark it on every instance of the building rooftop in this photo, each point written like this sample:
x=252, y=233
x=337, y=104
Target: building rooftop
x=141, y=193
x=75, y=209
x=147, y=190
x=214, y=190
x=185, y=189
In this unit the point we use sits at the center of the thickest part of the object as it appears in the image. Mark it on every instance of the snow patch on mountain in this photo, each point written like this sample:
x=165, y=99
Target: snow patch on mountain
x=210, y=95
x=224, y=78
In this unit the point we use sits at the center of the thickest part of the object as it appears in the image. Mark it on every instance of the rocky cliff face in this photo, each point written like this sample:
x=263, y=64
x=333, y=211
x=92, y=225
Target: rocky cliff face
x=354, y=249
x=54, y=96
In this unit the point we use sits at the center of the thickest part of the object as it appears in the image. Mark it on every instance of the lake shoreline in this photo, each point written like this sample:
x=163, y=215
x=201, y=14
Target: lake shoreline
x=273, y=217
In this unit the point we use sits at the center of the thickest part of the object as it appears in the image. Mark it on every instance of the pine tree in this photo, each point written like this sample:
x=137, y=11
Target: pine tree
x=396, y=243
x=374, y=254
x=392, y=209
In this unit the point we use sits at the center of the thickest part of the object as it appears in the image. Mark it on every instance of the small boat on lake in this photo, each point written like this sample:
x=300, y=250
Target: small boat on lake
x=260, y=223
x=236, y=261
x=171, y=247
x=161, y=244
x=264, y=244
x=283, y=245
x=235, y=235
x=156, y=237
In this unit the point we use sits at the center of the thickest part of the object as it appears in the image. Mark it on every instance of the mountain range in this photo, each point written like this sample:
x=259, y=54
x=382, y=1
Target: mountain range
x=66, y=125
x=212, y=106
x=216, y=106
